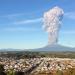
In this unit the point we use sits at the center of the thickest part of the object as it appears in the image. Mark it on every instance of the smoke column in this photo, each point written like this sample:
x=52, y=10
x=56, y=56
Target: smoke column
x=52, y=23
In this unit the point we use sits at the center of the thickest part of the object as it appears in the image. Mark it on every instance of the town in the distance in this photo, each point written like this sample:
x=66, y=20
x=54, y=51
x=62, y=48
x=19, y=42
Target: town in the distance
x=37, y=63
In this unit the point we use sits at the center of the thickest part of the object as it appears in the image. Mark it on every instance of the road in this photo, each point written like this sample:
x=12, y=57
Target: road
x=32, y=69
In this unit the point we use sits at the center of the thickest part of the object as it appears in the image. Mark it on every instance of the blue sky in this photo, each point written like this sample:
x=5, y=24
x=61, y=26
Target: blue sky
x=21, y=23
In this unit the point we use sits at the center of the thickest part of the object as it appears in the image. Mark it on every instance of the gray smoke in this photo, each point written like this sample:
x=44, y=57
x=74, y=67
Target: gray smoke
x=52, y=23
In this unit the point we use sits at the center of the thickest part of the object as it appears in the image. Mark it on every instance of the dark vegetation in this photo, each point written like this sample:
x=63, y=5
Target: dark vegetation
x=30, y=54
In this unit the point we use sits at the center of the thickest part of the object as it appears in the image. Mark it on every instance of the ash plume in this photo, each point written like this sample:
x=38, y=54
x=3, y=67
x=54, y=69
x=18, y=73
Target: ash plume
x=52, y=23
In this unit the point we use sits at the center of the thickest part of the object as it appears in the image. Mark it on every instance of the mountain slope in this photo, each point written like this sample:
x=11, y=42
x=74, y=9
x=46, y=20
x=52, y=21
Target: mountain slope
x=55, y=47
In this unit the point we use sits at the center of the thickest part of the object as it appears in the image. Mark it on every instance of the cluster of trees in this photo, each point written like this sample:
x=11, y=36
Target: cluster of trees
x=20, y=54
x=30, y=54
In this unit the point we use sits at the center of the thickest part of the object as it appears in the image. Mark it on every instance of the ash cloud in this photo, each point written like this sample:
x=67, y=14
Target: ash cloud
x=52, y=23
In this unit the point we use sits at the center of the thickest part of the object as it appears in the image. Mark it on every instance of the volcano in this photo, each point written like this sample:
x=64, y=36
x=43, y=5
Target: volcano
x=54, y=47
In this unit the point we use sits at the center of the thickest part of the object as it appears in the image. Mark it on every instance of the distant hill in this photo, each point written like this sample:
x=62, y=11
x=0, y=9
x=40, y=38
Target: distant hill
x=55, y=47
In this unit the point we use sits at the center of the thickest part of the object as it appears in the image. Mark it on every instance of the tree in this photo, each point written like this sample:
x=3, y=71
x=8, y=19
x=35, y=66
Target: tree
x=2, y=70
x=11, y=72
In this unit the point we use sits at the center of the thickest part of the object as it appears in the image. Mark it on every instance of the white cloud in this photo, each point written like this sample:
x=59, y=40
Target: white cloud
x=28, y=21
x=22, y=14
x=19, y=29
x=70, y=15
x=12, y=15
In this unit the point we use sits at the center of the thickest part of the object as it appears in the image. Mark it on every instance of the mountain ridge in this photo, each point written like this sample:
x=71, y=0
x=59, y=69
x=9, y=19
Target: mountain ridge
x=54, y=47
